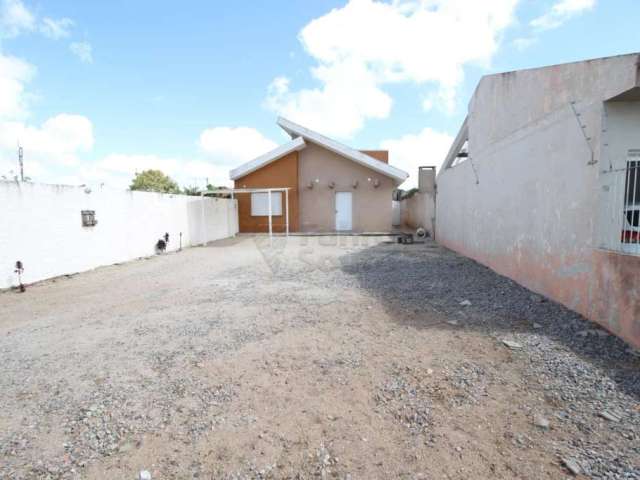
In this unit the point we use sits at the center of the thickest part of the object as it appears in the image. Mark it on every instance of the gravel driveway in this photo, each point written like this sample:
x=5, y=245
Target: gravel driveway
x=312, y=357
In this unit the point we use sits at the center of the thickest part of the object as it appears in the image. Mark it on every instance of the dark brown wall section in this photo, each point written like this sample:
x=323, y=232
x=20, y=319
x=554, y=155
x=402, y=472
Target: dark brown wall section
x=281, y=173
x=382, y=155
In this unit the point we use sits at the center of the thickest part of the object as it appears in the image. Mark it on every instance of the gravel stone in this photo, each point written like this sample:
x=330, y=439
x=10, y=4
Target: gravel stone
x=145, y=357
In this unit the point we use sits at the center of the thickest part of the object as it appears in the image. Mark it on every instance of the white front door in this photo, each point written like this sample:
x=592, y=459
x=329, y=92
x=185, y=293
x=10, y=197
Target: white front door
x=343, y=211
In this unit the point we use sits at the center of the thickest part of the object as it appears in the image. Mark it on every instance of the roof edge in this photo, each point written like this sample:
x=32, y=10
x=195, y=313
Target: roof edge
x=267, y=158
x=363, y=159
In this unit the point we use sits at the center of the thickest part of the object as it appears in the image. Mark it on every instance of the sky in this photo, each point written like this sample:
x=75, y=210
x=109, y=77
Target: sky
x=97, y=91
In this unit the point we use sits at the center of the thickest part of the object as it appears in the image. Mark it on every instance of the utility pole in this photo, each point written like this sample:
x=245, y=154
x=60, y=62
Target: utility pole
x=21, y=162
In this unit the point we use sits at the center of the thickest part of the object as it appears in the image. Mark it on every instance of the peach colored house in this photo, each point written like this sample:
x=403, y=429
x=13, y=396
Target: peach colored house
x=332, y=187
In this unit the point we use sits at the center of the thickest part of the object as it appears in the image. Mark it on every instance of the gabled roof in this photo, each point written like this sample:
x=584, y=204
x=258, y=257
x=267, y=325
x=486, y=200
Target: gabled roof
x=299, y=131
x=267, y=158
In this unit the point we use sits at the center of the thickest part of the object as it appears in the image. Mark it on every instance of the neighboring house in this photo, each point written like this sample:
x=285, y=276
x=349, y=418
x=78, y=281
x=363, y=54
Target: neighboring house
x=542, y=184
x=332, y=187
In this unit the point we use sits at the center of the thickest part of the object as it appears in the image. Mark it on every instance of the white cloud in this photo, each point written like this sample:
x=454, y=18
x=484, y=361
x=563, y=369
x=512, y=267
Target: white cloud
x=522, y=43
x=118, y=170
x=232, y=145
x=131, y=164
x=561, y=12
x=15, y=18
x=200, y=173
x=367, y=43
x=59, y=140
x=427, y=147
x=14, y=74
x=443, y=98
x=349, y=95
x=56, y=29
x=83, y=51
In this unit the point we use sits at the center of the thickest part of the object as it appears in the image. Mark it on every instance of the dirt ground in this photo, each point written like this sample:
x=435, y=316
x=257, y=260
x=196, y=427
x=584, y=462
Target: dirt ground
x=313, y=357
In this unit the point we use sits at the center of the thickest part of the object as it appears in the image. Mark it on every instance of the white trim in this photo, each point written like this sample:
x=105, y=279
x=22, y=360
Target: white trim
x=286, y=194
x=299, y=131
x=267, y=158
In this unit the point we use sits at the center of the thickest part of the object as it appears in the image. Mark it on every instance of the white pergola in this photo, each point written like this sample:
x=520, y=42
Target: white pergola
x=268, y=191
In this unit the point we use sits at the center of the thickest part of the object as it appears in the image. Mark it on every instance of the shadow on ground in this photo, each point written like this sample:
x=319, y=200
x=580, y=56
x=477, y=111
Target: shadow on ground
x=410, y=280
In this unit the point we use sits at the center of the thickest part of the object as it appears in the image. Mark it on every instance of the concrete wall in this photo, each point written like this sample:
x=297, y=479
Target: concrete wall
x=419, y=210
x=527, y=201
x=42, y=227
x=371, y=206
x=280, y=174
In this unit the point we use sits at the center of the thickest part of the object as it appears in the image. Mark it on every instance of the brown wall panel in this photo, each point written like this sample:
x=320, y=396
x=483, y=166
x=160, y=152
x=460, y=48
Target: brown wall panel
x=382, y=155
x=281, y=173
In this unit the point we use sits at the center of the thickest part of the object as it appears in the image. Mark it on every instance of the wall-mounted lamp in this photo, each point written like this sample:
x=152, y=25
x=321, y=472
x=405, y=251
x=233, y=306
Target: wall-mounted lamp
x=310, y=185
x=332, y=184
x=376, y=183
x=355, y=184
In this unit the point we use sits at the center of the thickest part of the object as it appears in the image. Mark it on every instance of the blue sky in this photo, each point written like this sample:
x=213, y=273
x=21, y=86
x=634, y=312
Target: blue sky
x=95, y=91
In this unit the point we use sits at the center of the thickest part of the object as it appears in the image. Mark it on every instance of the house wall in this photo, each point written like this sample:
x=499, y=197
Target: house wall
x=371, y=206
x=527, y=201
x=279, y=174
x=42, y=227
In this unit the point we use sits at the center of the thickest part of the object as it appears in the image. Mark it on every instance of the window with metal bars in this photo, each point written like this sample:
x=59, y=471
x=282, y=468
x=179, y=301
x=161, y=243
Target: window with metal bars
x=631, y=212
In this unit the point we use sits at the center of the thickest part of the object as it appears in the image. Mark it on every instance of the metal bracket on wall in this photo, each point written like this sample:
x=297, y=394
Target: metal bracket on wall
x=583, y=127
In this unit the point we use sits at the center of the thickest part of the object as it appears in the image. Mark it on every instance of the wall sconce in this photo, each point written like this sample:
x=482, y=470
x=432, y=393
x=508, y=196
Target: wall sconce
x=376, y=183
x=310, y=185
x=355, y=184
x=332, y=184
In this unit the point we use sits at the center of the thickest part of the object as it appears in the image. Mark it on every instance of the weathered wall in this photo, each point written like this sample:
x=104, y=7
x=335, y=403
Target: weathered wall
x=42, y=227
x=279, y=174
x=371, y=206
x=526, y=203
x=419, y=210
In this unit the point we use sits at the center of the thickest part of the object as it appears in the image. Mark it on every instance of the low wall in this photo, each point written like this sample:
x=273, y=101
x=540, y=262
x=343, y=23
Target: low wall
x=419, y=210
x=42, y=227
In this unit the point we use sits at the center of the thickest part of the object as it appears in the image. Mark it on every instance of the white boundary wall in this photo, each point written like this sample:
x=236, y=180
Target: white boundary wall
x=42, y=227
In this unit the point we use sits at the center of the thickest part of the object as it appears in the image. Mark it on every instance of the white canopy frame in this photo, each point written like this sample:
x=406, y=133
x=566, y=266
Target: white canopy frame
x=268, y=191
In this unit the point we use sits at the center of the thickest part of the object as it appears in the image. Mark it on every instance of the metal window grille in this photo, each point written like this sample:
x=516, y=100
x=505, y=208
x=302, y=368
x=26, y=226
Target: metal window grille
x=620, y=226
x=630, y=233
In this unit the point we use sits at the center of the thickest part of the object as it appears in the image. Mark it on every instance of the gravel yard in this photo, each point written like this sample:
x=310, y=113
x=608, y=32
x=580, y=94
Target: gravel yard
x=313, y=357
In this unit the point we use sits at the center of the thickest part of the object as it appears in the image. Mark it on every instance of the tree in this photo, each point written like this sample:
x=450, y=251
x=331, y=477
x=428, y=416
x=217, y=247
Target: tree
x=193, y=191
x=154, y=181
